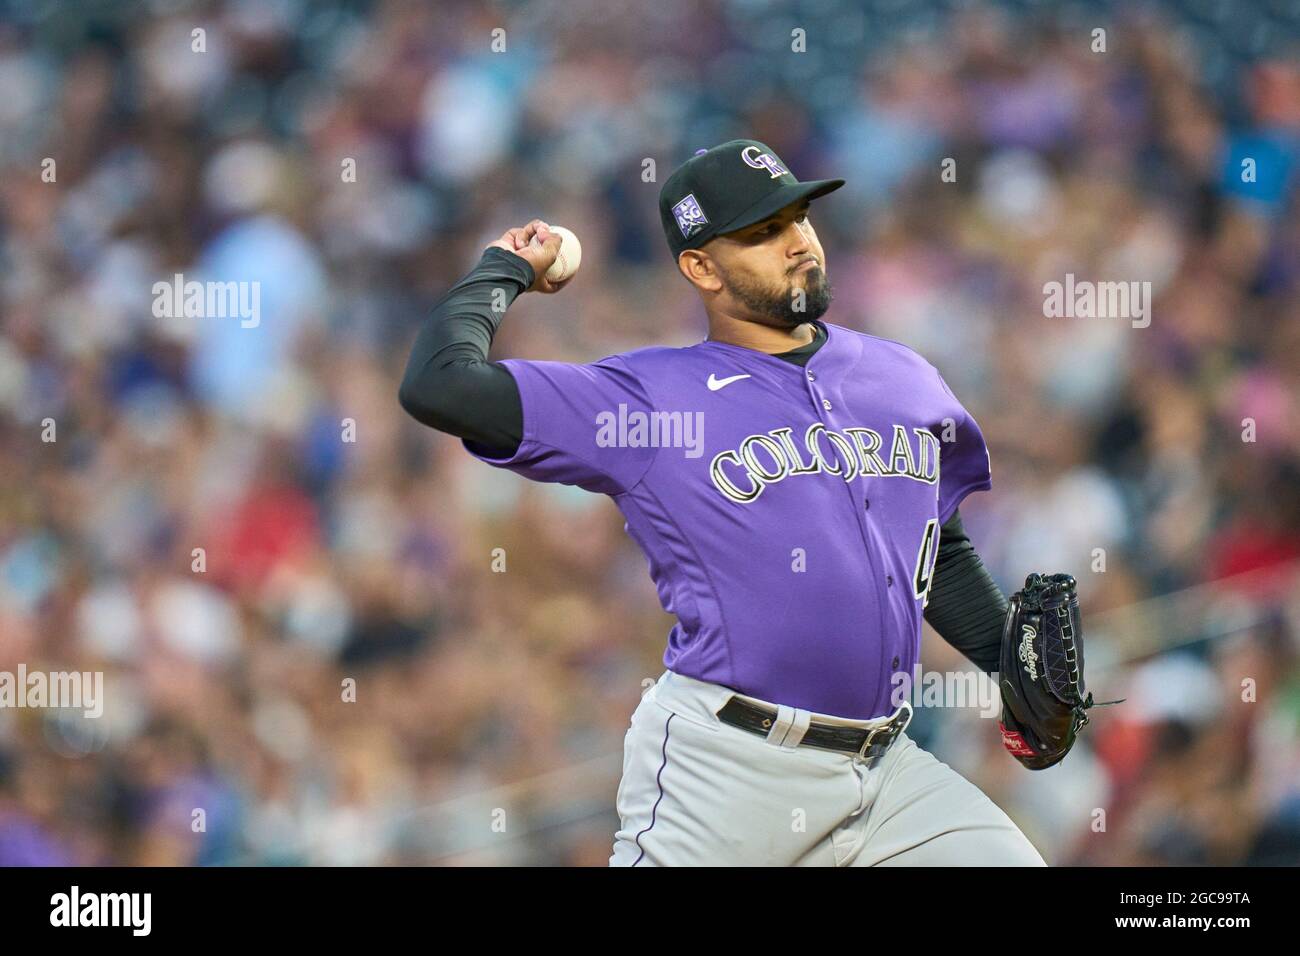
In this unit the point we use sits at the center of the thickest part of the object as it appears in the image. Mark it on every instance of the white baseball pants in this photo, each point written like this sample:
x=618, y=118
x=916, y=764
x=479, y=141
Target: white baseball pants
x=698, y=792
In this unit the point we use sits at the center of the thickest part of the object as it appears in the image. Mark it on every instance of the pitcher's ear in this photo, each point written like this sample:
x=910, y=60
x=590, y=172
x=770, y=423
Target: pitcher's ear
x=700, y=270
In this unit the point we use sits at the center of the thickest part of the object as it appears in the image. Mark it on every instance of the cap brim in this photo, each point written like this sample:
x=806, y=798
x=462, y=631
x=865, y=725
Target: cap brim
x=774, y=202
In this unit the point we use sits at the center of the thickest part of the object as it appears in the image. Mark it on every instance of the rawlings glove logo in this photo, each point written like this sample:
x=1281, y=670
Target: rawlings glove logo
x=1015, y=742
x=1027, y=655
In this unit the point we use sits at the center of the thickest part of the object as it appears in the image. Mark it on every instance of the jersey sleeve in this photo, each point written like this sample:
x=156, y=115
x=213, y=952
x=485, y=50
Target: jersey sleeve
x=575, y=425
x=963, y=457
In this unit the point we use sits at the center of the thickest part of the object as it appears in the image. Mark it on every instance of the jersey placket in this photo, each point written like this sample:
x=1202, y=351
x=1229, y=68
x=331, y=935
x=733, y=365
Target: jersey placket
x=824, y=407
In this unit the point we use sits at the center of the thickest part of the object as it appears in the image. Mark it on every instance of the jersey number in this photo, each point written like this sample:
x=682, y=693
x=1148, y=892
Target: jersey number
x=925, y=559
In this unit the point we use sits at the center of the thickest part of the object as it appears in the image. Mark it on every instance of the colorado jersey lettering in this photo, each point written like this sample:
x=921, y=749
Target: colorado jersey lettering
x=854, y=453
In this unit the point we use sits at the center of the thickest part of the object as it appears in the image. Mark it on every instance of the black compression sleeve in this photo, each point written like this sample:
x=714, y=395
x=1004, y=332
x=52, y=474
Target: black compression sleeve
x=449, y=383
x=966, y=607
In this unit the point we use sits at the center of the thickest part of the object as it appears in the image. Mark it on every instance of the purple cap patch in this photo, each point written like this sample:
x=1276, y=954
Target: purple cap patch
x=690, y=217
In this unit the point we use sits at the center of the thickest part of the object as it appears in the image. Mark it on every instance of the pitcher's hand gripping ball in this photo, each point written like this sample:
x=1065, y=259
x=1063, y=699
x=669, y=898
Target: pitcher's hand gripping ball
x=1043, y=702
x=570, y=257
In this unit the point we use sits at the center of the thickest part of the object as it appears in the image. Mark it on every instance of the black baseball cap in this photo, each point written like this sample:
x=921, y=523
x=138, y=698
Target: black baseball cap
x=726, y=188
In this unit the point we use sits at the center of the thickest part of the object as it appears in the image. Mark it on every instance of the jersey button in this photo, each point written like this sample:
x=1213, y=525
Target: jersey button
x=826, y=404
x=895, y=664
x=812, y=377
x=889, y=579
x=866, y=504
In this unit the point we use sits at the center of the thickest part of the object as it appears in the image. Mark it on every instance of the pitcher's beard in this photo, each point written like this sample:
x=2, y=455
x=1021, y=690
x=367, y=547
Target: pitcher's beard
x=780, y=308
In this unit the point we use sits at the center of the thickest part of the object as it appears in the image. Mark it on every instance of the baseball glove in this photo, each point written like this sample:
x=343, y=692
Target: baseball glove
x=1043, y=699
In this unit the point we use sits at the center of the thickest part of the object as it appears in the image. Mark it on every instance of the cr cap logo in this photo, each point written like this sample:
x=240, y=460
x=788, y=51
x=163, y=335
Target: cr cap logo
x=690, y=217
x=753, y=157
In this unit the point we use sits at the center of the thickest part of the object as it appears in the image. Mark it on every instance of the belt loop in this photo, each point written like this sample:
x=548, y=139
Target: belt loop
x=905, y=714
x=781, y=726
x=802, y=718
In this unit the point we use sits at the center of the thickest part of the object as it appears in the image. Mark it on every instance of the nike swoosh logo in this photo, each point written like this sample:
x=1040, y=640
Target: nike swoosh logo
x=717, y=383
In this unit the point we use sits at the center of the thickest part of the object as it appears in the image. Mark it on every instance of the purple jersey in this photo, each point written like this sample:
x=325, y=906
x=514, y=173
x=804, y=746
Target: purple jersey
x=789, y=515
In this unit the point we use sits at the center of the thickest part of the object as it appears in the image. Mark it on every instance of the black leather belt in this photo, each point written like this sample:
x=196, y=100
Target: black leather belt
x=857, y=741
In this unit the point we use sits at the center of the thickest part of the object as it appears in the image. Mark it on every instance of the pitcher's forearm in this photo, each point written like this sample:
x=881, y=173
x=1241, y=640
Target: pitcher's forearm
x=449, y=383
x=966, y=607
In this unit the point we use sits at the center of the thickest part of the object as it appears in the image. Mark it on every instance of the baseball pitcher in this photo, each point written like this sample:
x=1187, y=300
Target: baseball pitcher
x=798, y=537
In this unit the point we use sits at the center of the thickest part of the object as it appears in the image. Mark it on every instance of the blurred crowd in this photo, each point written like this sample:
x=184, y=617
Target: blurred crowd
x=331, y=637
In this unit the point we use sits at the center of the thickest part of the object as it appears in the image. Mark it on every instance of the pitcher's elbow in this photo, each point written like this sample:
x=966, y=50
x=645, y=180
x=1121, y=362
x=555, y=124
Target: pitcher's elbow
x=415, y=400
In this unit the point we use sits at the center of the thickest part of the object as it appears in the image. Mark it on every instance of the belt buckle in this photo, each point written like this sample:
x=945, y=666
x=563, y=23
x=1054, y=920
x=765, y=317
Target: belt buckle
x=866, y=744
x=897, y=724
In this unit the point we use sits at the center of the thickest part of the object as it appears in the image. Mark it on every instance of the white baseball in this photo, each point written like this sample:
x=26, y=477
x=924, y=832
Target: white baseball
x=570, y=257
